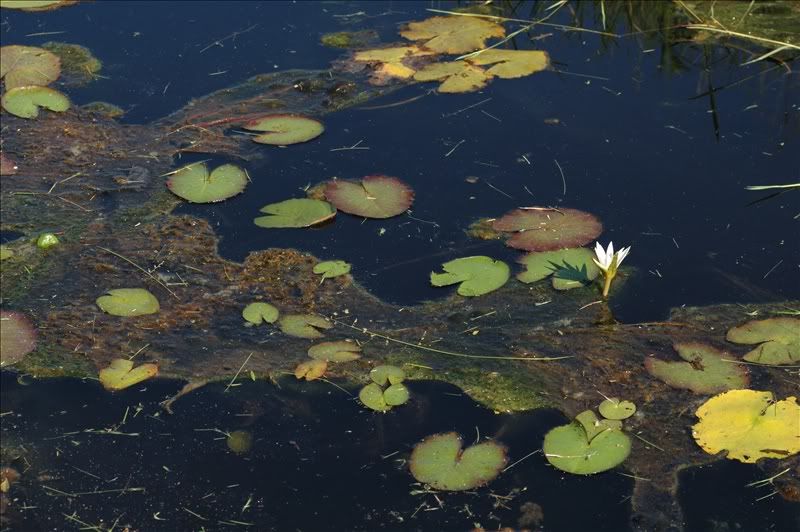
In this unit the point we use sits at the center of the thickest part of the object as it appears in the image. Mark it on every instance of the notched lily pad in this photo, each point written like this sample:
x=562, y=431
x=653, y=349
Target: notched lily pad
x=194, y=183
x=509, y=64
x=332, y=268
x=121, y=374
x=453, y=35
x=707, y=370
x=749, y=425
x=456, y=76
x=587, y=445
x=570, y=268
x=259, y=312
x=778, y=339
x=371, y=396
x=478, y=275
x=303, y=325
x=440, y=462
x=338, y=351
x=383, y=374
x=311, y=369
x=545, y=229
x=22, y=66
x=17, y=337
x=25, y=102
x=613, y=408
x=283, y=130
x=375, y=196
x=128, y=302
x=297, y=212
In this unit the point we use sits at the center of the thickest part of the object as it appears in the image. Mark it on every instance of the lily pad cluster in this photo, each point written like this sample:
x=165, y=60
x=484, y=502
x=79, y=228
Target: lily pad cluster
x=121, y=374
x=26, y=71
x=17, y=337
x=196, y=184
x=386, y=389
x=707, y=370
x=589, y=444
x=450, y=35
x=441, y=462
x=777, y=339
x=477, y=275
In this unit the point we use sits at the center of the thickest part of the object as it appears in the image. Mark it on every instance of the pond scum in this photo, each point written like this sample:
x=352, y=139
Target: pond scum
x=126, y=293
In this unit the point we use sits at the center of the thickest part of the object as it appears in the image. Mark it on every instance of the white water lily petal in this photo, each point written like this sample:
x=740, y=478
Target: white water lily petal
x=621, y=254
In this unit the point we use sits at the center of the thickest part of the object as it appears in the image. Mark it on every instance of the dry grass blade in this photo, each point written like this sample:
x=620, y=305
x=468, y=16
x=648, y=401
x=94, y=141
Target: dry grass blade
x=147, y=273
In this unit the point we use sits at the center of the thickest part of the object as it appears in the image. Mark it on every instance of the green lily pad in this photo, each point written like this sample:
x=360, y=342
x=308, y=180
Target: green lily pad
x=257, y=313
x=570, y=268
x=298, y=212
x=121, y=374
x=383, y=374
x=568, y=448
x=375, y=196
x=338, y=351
x=128, y=302
x=303, y=325
x=22, y=66
x=613, y=408
x=706, y=370
x=478, y=275
x=332, y=268
x=47, y=240
x=25, y=102
x=17, y=337
x=5, y=252
x=779, y=340
x=593, y=426
x=371, y=396
x=439, y=462
x=195, y=184
x=283, y=130
x=240, y=441
x=396, y=395
x=546, y=229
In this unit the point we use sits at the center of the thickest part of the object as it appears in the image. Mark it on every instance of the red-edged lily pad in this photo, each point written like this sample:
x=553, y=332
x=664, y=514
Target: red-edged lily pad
x=21, y=66
x=17, y=337
x=282, y=130
x=544, y=229
x=375, y=196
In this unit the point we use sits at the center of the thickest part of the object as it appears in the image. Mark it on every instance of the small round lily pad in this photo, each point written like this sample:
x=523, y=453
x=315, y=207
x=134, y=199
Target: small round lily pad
x=259, y=312
x=311, y=369
x=371, y=396
x=478, y=275
x=546, y=229
x=128, y=302
x=25, y=102
x=22, y=66
x=47, y=240
x=383, y=374
x=375, y=196
x=396, y=394
x=338, y=351
x=613, y=408
x=297, y=212
x=303, y=325
x=332, y=268
x=440, y=462
x=240, y=441
x=285, y=129
x=194, y=183
x=17, y=337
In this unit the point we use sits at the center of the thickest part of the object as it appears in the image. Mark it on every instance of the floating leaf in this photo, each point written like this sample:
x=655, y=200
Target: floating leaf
x=311, y=369
x=478, y=275
x=339, y=351
x=439, y=462
x=239, y=441
x=332, y=268
x=456, y=76
x=299, y=212
x=375, y=196
x=371, y=396
x=396, y=395
x=121, y=374
x=47, y=240
x=383, y=374
x=17, y=337
x=283, y=130
x=613, y=408
x=22, y=66
x=779, y=340
x=78, y=65
x=570, y=268
x=568, y=448
x=24, y=102
x=5, y=252
x=453, y=35
x=510, y=64
x=195, y=184
x=706, y=370
x=303, y=325
x=259, y=312
x=749, y=425
x=390, y=61
x=128, y=302
x=593, y=426
x=35, y=5
x=545, y=229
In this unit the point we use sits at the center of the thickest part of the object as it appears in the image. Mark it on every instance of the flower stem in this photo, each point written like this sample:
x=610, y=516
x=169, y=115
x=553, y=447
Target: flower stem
x=607, y=285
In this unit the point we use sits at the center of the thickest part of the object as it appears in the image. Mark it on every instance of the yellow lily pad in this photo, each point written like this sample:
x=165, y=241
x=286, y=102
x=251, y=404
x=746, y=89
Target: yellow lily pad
x=128, y=302
x=456, y=76
x=21, y=66
x=311, y=369
x=453, y=35
x=121, y=374
x=510, y=64
x=749, y=425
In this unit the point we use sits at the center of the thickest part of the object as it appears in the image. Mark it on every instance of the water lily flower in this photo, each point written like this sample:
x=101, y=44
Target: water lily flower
x=608, y=261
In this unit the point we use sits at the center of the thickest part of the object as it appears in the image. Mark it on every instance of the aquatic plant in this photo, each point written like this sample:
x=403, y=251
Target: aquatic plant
x=706, y=370
x=128, y=302
x=478, y=275
x=778, y=339
x=121, y=374
x=36, y=5
x=194, y=183
x=468, y=76
x=5, y=252
x=349, y=39
x=384, y=373
x=17, y=337
x=616, y=409
x=332, y=268
x=452, y=35
x=749, y=425
x=375, y=196
x=336, y=351
x=285, y=129
x=78, y=65
x=390, y=62
x=439, y=462
x=303, y=325
x=546, y=229
x=47, y=241
x=587, y=445
x=380, y=397
x=22, y=66
x=569, y=268
x=297, y=212
x=608, y=261
x=311, y=369
x=25, y=102
x=260, y=312
x=239, y=441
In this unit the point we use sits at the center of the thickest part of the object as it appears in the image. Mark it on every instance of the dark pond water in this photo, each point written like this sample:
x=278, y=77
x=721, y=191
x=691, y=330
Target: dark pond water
x=641, y=143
